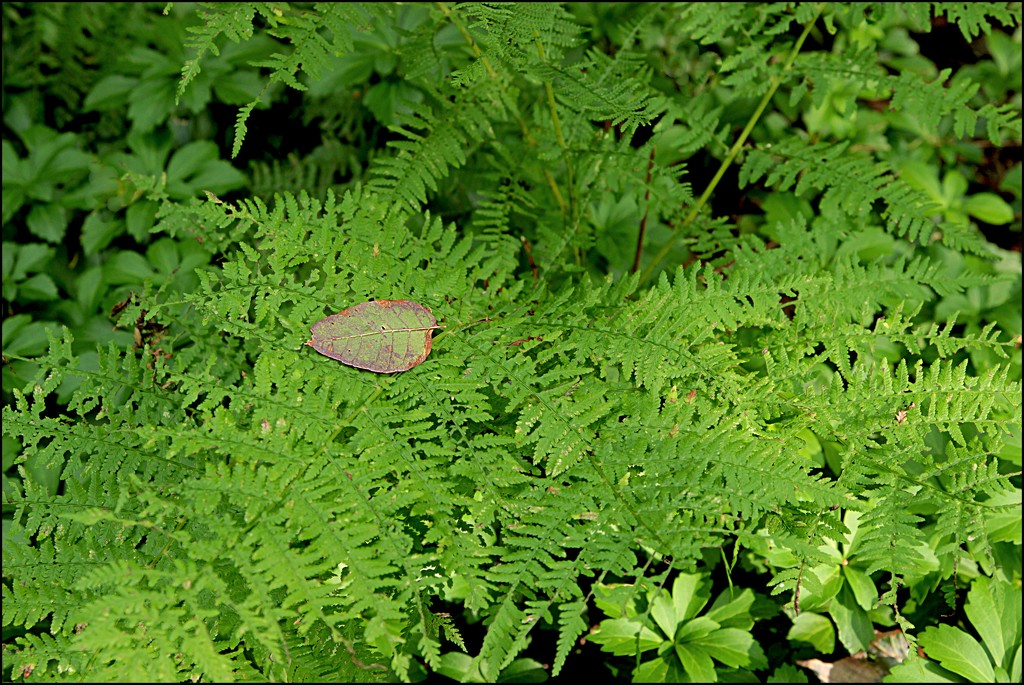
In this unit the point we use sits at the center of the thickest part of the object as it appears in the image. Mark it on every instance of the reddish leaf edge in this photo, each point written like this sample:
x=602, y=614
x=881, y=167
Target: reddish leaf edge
x=385, y=303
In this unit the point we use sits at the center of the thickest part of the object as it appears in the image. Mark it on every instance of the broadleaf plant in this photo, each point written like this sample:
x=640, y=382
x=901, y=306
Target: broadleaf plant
x=993, y=608
x=688, y=642
x=384, y=336
x=633, y=385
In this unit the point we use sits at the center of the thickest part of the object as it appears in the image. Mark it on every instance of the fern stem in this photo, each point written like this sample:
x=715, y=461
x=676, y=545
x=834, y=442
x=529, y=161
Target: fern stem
x=469, y=39
x=555, y=121
x=776, y=81
x=348, y=420
x=562, y=206
x=560, y=139
x=531, y=141
x=643, y=220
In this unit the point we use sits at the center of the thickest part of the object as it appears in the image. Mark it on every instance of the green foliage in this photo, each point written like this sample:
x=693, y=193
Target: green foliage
x=688, y=645
x=54, y=48
x=824, y=381
x=78, y=207
x=993, y=608
x=839, y=586
x=465, y=669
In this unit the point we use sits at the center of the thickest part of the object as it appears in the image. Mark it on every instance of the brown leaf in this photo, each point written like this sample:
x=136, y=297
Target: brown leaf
x=383, y=336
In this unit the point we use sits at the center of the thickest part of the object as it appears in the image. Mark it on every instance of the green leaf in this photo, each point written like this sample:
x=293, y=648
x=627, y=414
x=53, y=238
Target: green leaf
x=733, y=647
x=919, y=670
x=48, y=222
x=97, y=232
x=619, y=636
x=523, y=671
x=787, y=673
x=664, y=613
x=197, y=166
x=731, y=609
x=695, y=629
x=460, y=667
x=139, y=218
x=13, y=168
x=110, y=92
x=197, y=97
x=218, y=177
x=954, y=187
x=163, y=255
x=697, y=663
x=24, y=337
x=990, y=208
x=820, y=586
x=188, y=160
x=958, y=652
x=852, y=622
x=239, y=87
x=736, y=675
x=345, y=73
x=389, y=99
x=663, y=669
x=994, y=609
x=815, y=630
x=924, y=176
x=31, y=258
x=862, y=586
x=616, y=600
x=383, y=336
x=127, y=267
x=150, y=103
x=69, y=162
x=38, y=288
x=689, y=595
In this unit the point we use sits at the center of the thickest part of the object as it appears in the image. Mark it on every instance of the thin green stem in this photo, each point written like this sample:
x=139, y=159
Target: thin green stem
x=776, y=81
x=556, y=123
x=351, y=417
x=530, y=140
x=469, y=39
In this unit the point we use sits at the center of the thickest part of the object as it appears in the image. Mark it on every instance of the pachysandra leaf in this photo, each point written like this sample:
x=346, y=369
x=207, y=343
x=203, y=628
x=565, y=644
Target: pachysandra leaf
x=383, y=336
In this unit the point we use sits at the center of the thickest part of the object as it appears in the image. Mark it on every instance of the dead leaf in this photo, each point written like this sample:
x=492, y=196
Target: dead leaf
x=383, y=336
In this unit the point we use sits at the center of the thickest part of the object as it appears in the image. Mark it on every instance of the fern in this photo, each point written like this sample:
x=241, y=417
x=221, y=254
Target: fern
x=591, y=459
x=441, y=145
x=233, y=21
x=973, y=20
x=937, y=99
x=311, y=51
x=236, y=507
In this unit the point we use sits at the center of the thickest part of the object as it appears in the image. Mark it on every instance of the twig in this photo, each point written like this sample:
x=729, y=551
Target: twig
x=643, y=221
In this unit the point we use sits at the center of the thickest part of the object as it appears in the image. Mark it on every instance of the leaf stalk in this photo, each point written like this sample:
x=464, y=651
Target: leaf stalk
x=776, y=81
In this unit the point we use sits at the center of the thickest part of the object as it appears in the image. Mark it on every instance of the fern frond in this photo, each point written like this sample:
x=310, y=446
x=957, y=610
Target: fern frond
x=852, y=184
x=234, y=21
x=45, y=656
x=506, y=637
x=522, y=26
x=234, y=506
x=890, y=535
x=930, y=103
x=425, y=158
x=973, y=19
